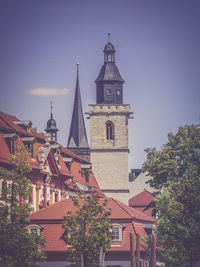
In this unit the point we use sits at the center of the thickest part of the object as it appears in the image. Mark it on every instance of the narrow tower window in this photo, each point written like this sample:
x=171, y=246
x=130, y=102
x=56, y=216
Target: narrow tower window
x=109, y=58
x=109, y=130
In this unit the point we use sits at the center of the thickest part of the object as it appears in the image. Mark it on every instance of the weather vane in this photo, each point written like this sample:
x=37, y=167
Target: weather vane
x=109, y=34
x=51, y=109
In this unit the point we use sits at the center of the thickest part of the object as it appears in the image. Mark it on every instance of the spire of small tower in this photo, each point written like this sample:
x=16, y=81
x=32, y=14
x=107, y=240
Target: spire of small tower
x=51, y=125
x=77, y=136
x=51, y=109
x=109, y=34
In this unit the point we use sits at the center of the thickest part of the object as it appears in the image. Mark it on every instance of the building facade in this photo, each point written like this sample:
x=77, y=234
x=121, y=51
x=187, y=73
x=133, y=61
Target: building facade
x=109, y=130
x=54, y=167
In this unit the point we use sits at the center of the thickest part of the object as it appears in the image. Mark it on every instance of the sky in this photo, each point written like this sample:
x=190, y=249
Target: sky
x=157, y=53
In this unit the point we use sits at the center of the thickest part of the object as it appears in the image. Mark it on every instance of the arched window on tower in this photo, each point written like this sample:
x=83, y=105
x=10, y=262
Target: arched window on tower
x=109, y=130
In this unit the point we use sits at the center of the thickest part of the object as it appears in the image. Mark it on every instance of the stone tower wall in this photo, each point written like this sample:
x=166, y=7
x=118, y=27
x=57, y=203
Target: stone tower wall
x=109, y=158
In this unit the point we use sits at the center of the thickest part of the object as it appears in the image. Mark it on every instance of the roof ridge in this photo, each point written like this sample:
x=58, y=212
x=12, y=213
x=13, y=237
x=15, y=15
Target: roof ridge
x=6, y=122
x=150, y=219
x=116, y=201
x=48, y=207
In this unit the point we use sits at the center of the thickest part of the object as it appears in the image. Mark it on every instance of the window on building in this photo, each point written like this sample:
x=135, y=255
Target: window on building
x=109, y=130
x=68, y=165
x=109, y=92
x=118, y=92
x=35, y=229
x=4, y=190
x=68, y=162
x=10, y=140
x=30, y=148
x=29, y=143
x=11, y=145
x=56, y=196
x=117, y=229
x=57, y=156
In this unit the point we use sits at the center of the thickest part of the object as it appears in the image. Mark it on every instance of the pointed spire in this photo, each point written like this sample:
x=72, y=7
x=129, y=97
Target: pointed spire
x=77, y=136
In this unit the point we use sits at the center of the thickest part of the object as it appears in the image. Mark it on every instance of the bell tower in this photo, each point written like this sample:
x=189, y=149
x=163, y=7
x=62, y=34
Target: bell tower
x=51, y=126
x=109, y=82
x=109, y=130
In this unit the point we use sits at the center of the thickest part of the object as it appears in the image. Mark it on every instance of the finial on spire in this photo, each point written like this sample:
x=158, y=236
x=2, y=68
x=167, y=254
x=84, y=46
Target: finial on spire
x=109, y=34
x=51, y=109
x=77, y=64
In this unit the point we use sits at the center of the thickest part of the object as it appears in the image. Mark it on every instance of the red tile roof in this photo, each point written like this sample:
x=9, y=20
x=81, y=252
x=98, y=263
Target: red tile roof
x=134, y=213
x=140, y=202
x=144, y=198
x=7, y=123
x=4, y=151
x=52, y=216
x=119, y=211
x=53, y=234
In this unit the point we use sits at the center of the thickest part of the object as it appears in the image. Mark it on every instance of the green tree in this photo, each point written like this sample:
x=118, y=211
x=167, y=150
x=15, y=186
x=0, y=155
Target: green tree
x=175, y=172
x=18, y=246
x=88, y=228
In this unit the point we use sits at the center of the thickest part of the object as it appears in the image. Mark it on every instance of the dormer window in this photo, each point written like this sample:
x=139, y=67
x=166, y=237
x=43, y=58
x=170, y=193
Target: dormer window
x=68, y=162
x=10, y=139
x=29, y=143
x=26, y=125
x=109, y=130
x=57, y=156
x=117, y=229
x=35, y=229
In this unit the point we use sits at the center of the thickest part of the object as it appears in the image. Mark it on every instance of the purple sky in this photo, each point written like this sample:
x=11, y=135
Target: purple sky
x=157, y=46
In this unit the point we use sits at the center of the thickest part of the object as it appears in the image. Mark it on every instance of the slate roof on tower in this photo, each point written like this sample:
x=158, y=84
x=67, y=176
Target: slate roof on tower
x=77, y=135
x=109, y=70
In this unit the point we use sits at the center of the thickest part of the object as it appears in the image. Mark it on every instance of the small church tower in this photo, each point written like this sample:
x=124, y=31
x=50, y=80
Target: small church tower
x=109, y=130
x=77, y=141
x=51, y=126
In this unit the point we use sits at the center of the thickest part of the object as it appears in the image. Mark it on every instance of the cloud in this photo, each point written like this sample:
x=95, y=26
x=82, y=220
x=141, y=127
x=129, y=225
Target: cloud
x=45, y=92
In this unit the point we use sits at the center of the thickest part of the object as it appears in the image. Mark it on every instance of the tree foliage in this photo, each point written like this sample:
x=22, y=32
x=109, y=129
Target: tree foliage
x=18, y=246
x=172, y=162
x=175, y=172
x=88, y=228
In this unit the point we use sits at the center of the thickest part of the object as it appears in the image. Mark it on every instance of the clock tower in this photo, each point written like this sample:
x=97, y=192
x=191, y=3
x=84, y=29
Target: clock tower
x=109, y=130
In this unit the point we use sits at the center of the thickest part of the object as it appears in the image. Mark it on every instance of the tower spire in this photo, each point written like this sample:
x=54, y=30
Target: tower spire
x=51, y=109
x=109, y=34
x=51, y=125
x=77, y=141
